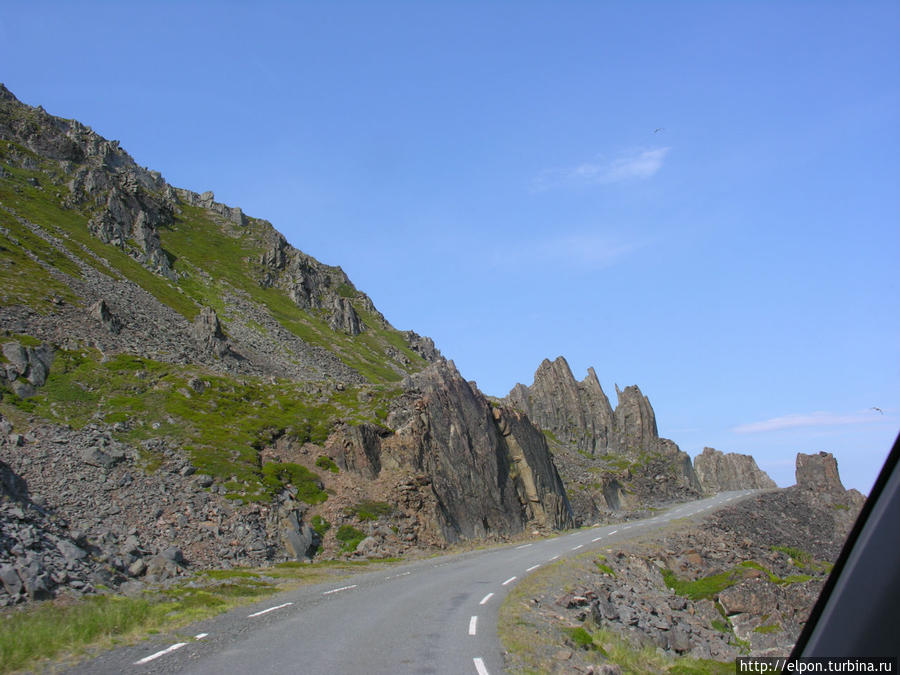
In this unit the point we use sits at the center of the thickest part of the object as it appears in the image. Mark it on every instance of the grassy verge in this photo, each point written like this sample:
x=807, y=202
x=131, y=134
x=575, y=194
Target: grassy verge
x=67, y=629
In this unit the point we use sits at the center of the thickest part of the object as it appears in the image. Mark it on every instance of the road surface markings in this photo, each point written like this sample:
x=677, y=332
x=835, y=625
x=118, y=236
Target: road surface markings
x=508, y=581
x=485, y=599
x=200, y=636
x=597, y=539
x=533, y=567
x=554, y=557
x=575, y=548
x=473, y=625
x=523, y=546
x=575, y=534
x=614, y=531
x=334, y=590
x=148, y=659
x=627, y=527
x=394, y=576
x=479, y=666
x=266, y=611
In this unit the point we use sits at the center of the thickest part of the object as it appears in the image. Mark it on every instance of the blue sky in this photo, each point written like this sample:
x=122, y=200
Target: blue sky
x=700, y=198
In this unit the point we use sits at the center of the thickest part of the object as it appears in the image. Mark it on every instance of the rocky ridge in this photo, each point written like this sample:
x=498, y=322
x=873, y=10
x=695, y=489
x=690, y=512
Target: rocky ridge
x=719, y=472
x=612, y=459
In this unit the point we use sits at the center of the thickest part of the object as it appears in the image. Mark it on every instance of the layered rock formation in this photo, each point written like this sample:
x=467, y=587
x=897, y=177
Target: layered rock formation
x=487, y=468
x=719, y=472
x=610, y=459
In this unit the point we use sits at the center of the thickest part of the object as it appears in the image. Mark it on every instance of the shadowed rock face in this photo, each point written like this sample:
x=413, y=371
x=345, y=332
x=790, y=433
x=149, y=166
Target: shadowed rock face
x=720, y=472
x=818, y=473
x=488, y=469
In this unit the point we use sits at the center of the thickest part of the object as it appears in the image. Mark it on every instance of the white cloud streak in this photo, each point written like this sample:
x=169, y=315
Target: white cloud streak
x=634, y=165
x=815, y=419
x=584, y=251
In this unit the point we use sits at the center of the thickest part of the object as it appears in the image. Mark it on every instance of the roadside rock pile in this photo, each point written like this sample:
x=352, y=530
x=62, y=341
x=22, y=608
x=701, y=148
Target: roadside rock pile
x=741, y=582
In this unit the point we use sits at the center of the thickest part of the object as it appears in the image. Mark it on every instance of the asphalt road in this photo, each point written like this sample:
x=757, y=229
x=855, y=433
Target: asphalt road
x=430, y=616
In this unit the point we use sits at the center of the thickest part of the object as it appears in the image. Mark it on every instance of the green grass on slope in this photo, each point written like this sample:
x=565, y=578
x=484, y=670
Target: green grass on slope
x=212, y=256
x=222, y=429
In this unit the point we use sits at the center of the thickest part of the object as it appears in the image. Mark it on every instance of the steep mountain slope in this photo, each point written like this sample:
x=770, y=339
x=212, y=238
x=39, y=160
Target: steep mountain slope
x=176, y=378
x=609, y=459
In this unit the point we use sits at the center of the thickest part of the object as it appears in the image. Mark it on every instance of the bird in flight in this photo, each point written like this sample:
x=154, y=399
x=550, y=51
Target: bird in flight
x=658, y=129
x=878, y=409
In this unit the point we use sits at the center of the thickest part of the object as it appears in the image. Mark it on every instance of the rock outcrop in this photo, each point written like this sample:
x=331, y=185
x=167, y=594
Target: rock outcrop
x=610, y=459
x=719, y=472
x=577, y=413
x=26, y=367
x=485, y=469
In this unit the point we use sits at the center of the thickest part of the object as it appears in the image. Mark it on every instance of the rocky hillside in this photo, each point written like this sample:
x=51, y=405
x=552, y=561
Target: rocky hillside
x=719, y=472
x=180, y=387
x=611, y=460
x=741, y=582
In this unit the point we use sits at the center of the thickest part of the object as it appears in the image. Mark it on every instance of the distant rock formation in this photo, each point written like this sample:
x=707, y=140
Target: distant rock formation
x=610, y=459
x=577, y=413
x=719, y=472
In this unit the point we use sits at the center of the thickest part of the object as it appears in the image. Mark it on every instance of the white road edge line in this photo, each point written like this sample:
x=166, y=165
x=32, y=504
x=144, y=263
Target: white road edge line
x=533, y=567
x=148, y=659
x=479, y=666
x=200, y=636
x=575, y=548
x=473, y=625
x=486, y=598
x=337, y=590
x=266, y=611
x=523, y=546
x=508, y=581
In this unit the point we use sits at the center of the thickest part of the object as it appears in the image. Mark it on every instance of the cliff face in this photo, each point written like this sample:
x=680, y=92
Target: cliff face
x=610, y=459
x=483, y=469
x=720, y=472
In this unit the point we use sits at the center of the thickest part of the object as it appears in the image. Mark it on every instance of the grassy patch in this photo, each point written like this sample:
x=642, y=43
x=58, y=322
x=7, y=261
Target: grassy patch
x=320, y=525
x=325, y=462
x=581, y=638
x=706, y=587
x=349, y=537
x=369, y=510
x=278, y=475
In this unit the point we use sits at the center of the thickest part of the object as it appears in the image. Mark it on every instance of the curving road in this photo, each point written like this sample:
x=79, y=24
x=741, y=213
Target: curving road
x=430, y=616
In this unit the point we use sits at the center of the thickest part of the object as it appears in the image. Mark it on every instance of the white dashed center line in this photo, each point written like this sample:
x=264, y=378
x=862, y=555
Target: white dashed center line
x=473, y=625
x=533, y=567
x=554, y=557
x=334, y=590
x=508, y=581
x=148, y=659
x=523, y=546
x=266, y=611
x=575, y=548
x=614, y=531
x=486, y=598
x=479, y=666
x=200, y=636
x=597, y=539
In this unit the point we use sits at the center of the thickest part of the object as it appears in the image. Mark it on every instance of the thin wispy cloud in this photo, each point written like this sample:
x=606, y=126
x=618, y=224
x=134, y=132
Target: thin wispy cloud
x=629, y=166
x=815, y=419
x=578, y=250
